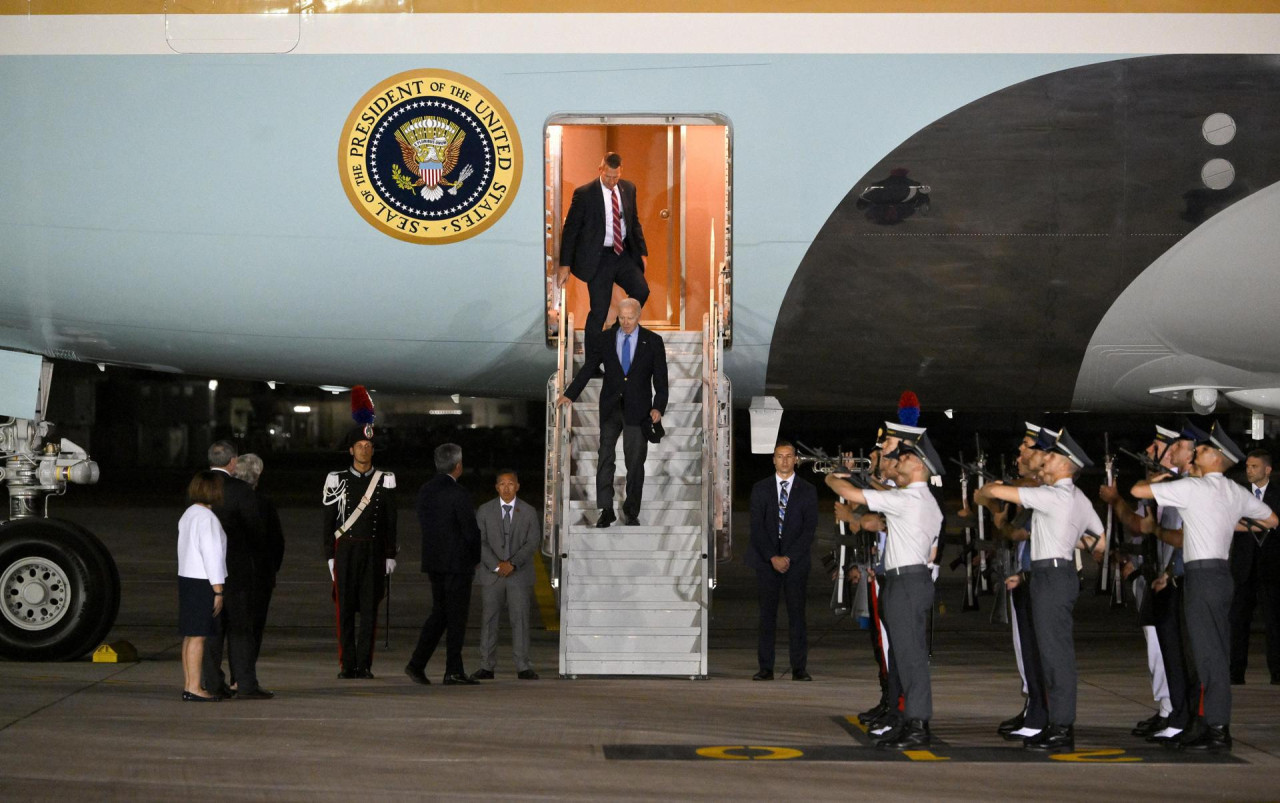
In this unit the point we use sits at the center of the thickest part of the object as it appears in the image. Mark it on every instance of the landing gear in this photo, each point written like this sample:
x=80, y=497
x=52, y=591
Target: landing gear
x=60, y=590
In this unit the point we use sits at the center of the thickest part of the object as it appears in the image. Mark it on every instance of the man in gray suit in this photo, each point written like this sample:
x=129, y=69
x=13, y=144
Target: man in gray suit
x=508, y=548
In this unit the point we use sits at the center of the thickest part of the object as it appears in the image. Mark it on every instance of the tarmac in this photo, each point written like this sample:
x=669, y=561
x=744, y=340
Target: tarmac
x=104, y=731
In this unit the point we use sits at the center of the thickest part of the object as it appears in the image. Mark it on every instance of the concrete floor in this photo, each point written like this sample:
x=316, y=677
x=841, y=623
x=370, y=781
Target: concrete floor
x=118, y=731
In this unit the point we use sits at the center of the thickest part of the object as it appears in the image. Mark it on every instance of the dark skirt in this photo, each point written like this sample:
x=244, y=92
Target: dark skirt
x=195, y=607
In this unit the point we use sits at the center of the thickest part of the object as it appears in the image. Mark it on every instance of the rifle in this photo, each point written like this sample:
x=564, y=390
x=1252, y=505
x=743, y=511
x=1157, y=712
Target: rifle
x=1111, y=569
x=1148, y=465
x=984, y=575
x=970, y=598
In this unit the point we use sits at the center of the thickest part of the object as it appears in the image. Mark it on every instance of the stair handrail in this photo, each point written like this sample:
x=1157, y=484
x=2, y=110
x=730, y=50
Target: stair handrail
x=559, y=429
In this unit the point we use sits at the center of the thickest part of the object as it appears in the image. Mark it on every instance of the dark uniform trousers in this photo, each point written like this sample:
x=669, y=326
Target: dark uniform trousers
x=1054, y=589
x=635, y=449
x=235, y=627
x=359, y=569
x=791, y=587
x=909, y=591
x=1255, y=571
x=1037, y=713
x=613, y=269
x=1184, y=691
x=1208, y=605
x=450, y=603
x=890, y=686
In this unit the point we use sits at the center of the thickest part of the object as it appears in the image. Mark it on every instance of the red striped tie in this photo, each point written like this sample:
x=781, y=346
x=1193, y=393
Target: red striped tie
x=617, y=221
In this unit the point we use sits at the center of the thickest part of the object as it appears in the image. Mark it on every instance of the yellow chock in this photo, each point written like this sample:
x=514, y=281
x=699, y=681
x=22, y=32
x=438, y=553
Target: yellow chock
x=120, y=652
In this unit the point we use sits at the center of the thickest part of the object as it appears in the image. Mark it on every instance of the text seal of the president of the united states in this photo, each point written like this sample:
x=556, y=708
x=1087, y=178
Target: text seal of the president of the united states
x=430, y=156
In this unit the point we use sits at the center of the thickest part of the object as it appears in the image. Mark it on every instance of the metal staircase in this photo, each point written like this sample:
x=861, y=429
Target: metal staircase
x=636, y=600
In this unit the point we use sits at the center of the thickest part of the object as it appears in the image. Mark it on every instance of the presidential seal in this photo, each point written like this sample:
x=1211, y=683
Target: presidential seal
x=430, y=156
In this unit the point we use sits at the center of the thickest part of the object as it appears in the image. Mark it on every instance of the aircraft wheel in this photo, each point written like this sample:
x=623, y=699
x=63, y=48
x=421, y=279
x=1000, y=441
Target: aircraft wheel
x=59, y=590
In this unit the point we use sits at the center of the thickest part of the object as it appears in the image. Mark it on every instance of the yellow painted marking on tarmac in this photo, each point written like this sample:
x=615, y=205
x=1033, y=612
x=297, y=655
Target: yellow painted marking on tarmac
x=1108, y=756
x=853, y=720
x=771, y=753
x=545, y=596
x=924, y=755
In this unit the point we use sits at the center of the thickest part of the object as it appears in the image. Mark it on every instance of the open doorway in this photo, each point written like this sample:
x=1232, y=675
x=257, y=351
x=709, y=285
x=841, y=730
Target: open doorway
x=681, y=166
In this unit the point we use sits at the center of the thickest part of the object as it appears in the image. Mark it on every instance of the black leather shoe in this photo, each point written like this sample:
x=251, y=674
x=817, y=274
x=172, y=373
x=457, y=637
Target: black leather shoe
x=364, y=674
x=885, y=730
x=1275, y=679
x=347, y=674
x=417, y=675
x=1054, y=737
x=1237, y=680
x=256, y=694
x=1210, y=737
x=1012, y=724
x=872, y=714
x=188, y=697
x=482, y=674
x=1150, y=725
x=607, y=517
x=527, y=674
x=224, y=693
x=800, y=674
x=913, y=734
x=459, y=679
x=630, y=520
x=763, y=674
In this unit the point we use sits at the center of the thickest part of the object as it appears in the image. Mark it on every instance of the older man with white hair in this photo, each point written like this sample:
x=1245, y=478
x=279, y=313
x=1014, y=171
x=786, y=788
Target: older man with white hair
x=632, y=401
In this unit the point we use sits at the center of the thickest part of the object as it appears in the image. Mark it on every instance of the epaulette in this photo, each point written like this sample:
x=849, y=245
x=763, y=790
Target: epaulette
x=388, y=480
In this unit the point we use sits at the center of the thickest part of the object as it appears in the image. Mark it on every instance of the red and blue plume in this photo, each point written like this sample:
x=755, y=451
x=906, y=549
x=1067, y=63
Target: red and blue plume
x=361, y=406
x=908, y=409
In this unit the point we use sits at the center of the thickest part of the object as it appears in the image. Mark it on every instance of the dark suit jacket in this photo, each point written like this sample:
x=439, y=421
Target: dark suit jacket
x=450, y=535
x=642, y=390
x=247, y=545
x=582, y=238
x=797, y=529
x=525, y=540
x=1245, y=552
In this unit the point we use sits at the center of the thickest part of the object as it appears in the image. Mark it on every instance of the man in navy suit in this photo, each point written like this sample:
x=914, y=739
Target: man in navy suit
x=602, y=242
x=784, y=516
x=633, y=397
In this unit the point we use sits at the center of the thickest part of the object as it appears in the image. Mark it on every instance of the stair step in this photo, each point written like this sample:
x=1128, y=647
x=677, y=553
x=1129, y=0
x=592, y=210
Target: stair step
x=607, y=592
x=610, y=541
x=616, y=619
x=656, y=489
x=634, y=646
x=617, y=565
x=676, y=438
x=684, y=391
x=632, y=664
x=678, y=415
x=683, y=464
x=649, y=517
x=578, y=530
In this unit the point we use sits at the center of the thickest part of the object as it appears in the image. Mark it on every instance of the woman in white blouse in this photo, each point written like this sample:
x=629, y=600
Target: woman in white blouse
x=202, y=569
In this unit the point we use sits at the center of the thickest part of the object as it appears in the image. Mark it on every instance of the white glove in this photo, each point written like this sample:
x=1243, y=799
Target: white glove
x=391, y=565
x=331, y=577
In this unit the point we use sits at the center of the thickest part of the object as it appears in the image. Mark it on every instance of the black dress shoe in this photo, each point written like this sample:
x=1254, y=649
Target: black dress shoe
x=607, y=517
x=886, y=729
x=417, y=675
x=1054, y=737
x=1150, y=725
x=763, y=674
x=1013, y=723
x=527, y=674
x=630, y=521
x=482, y=674
x=347, y=674
x=1237, y=680
x=872, y=714
x=256, y=694
x=459, y=679
x=364, y=674
x=800, y=674
x=1210, y=737
x=188, y=697
x=915, y=733
x=224, y=693
x=1275, y=678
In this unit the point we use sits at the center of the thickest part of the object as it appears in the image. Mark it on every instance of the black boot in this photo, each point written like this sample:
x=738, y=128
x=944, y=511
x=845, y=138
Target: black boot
x=911, y=735
x=1054, y=737
x=1210, y=737
x=1150, y=725
x=872, y=714
x=1013, y=723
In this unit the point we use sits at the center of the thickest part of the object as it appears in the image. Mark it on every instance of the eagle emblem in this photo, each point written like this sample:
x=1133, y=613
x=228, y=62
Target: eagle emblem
x=430, y=147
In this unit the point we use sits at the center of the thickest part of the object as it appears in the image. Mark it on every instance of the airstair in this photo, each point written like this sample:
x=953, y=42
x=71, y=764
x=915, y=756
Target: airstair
x=635, y=600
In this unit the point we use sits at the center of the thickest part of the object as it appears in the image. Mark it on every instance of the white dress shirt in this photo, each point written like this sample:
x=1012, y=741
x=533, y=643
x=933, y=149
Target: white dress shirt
x=1210, y=507
x=202, y=546
x=1060, y=514
x=913, y=518
x=608, y=214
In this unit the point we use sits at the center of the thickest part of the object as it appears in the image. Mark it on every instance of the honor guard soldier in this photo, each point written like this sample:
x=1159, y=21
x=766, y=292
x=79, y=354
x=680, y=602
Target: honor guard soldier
x=1212, y=508
x=1062, y=520
x=913, y=519
x=360, y=545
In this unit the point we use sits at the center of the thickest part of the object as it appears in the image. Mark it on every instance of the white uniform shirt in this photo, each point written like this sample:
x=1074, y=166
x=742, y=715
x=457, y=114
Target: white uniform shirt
x=913, y=518
x=1210, y=506
x=1060, y=514
x=202, y=546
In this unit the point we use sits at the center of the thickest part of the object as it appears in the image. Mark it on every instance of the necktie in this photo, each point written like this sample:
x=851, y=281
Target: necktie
x=617, y=221
x=506, y=530
x=782, y=508
x=626, y=354
x=1257, y=492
